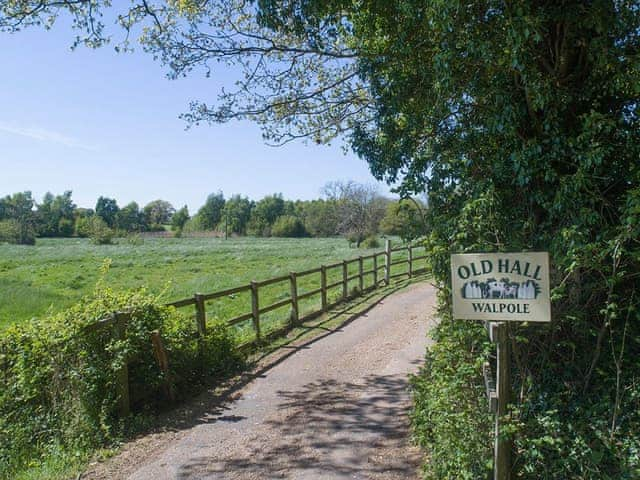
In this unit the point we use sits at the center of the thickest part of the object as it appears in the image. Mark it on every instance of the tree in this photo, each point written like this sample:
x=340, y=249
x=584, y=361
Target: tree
x=180, y=218
x=359, y=208
x=404, y=218
x=265, y=213
x=210, y=213
x=130, y=218
x=56, y=215
x=236, y=212
x=299, y=76
x=320, y=217
x=107, y=210
x=158, y=212
x=288, y=226
x=17, y=211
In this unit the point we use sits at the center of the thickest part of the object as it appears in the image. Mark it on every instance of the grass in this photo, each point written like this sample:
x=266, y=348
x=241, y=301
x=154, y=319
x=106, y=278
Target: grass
x=57, y=273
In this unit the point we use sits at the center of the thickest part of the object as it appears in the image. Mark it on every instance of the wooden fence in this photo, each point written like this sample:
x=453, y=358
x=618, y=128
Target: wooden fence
x=380, y=273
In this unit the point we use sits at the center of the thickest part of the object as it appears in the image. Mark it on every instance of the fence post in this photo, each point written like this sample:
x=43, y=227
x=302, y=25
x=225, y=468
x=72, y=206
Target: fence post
x=295, y=315
x=323, y=287
x=410, y=257
x=163, y=363
x=360, y=276
x=201, y=315
x=345, y=275
x=502, y=452
x=255, y=309
x=375, y=270
x=387, y=260
x=124, y=404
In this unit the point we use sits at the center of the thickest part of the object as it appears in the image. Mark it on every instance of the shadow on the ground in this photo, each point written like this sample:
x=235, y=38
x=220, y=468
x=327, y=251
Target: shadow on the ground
x=210, y=406
x=326, y=429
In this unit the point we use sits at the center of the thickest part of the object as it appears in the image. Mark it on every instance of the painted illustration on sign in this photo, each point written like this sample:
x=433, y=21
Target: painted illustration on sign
x=501, y=286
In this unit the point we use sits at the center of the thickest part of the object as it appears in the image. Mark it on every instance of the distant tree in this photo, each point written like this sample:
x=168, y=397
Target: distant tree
x=319, y=217
x=237, y=212
x=18, y=210
x=192, y=225
x=180, y=218
x=359, y=208
x=288, y=226
x=130, y=218
x=107, y=209
x=404, y=218
x=56, y=215
x=81, y=220
x=47, y=224
x=99, y=231
x=159, y=212
x=265, y=214
x=210, y=213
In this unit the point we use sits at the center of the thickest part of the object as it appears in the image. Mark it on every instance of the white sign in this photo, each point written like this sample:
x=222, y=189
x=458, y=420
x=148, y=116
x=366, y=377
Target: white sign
x=501, y=286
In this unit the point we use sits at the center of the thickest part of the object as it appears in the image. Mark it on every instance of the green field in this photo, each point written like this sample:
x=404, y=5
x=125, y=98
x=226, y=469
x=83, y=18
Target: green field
x=58, y=272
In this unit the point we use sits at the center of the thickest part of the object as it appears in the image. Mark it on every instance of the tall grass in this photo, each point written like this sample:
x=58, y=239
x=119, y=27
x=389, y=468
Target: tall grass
x=56, y=273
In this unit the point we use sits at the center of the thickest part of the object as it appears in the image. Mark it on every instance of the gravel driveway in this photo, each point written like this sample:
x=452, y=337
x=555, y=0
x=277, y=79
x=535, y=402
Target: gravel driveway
x=335, y=409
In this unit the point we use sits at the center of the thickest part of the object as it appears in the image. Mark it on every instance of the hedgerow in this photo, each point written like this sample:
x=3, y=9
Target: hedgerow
x=59, y=378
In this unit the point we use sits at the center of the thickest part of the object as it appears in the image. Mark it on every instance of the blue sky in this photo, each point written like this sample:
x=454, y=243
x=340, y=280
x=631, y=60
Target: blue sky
x=101, y=123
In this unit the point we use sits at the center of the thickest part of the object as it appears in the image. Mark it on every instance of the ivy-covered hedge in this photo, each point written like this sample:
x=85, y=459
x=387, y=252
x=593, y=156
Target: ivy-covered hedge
x=58, y=379
x=450, y=417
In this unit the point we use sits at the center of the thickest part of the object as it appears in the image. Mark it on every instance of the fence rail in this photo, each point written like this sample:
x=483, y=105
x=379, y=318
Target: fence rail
x=199, y=300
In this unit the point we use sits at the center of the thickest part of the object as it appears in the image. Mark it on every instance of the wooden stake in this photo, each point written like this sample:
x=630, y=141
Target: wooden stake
x=375, y=270
x=294, y=298
x=163, y=362
x=345, y=283
x=502, y=449
x=360, y=276
x=323, y=287
x=387, y=260
x=255, y=309
x=201, y=315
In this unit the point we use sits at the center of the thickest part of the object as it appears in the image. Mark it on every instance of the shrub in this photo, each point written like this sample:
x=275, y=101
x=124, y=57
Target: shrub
x=99, y=231
x=58, y=377
x=371, y=242
x=450, y=418
x=12, y=231
x=135, y=239
x=288, y=226
x=193, y=225
x=83, y=226
x=9, y=231
x=354, y=238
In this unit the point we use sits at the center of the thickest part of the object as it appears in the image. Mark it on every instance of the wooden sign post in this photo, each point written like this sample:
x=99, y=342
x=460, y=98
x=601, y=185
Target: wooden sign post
x=500, y=288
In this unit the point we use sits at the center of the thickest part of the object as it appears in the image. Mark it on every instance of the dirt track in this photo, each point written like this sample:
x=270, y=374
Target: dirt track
x=335, y=409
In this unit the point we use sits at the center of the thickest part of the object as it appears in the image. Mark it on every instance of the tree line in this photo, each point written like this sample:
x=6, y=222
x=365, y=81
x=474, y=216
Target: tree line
x=355, y=210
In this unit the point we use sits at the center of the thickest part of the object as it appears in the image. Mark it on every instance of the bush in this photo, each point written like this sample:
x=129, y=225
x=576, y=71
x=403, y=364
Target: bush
x=193, y=225
x=99, y=231
x=370, y=242
x=65, y=227
x=9, y=231
x=135, y=239
x=83, y=226
x=288, y=226
x=450, y=418
x=58, y=378
x=12, y=231
x=355, y=238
